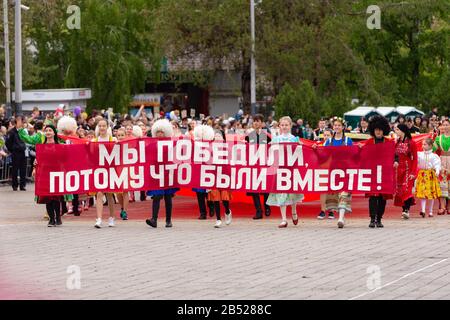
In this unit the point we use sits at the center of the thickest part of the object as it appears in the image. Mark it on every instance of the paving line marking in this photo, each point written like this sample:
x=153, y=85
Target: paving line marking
x=395, y=281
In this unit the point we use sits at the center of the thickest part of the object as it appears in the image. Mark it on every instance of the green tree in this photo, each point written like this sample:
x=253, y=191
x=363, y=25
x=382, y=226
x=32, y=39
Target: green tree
x=112, y=53
x=411, y=50
x=297, y=102
x=309, y=41
x=211, y=34
x=286, y=103
x=340, y=100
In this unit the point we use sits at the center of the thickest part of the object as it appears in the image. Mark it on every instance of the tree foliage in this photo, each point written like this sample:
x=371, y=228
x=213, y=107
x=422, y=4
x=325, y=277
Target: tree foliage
x=315, y=56
x=111, y=53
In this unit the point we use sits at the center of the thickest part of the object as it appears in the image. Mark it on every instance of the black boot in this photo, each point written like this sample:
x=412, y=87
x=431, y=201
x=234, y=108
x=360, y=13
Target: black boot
x=58, y=221
x=379, y=224
x=372, y=223
x=258, y=216
x=168, y=224
x=64, y=209
x=211, y=208
x=151, y=223
x=51, y=220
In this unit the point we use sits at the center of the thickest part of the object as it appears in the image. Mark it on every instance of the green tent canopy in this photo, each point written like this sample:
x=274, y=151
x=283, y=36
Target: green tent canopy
x=353, y=117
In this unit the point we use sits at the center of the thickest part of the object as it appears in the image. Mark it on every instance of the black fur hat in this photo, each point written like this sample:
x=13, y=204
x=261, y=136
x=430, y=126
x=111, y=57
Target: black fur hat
x=379, y=122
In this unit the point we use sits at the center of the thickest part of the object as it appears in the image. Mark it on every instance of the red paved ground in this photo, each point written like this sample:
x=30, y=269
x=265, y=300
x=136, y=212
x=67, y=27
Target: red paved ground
x=185, y=207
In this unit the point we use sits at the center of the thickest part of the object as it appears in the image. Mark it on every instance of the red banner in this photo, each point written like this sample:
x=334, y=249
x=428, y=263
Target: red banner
x=150, y=164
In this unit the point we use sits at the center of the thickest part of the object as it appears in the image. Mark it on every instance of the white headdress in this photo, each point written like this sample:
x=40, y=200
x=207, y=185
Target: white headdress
x=162, y=125
x=204, y=132
x=137, y=132
x=67, y=125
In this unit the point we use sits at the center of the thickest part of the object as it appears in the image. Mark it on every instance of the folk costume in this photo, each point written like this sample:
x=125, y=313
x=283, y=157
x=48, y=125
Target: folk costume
x=427, y=183
x=261, y=137
x=341, y=201
x=406, y=157
x=442, y=146
x=377, y=201
x=164, y=126
x=283, y=200
x=203, y=133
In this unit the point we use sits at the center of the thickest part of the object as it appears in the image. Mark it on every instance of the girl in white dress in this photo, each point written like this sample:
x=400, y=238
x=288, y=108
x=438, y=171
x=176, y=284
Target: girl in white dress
x=283, y=200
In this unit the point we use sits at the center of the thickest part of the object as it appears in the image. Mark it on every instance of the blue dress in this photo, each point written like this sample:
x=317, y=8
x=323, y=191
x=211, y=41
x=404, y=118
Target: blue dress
x=284, y=199
x=161, y=192
x=338, y=143
x=341, y=200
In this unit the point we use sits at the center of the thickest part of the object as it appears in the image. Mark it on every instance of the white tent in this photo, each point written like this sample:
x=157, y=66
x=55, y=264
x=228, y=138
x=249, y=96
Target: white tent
x=354, y=116
x=409, y=111
x=384, y=111
x=360, y=111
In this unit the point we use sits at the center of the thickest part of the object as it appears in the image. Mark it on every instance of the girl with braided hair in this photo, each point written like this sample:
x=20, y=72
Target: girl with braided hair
x=342, y=201
x=406, y=169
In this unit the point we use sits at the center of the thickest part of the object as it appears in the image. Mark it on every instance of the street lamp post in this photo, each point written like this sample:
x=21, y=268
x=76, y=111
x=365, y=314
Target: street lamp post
x=18, y=57
x=252, y=60
x=7, y=63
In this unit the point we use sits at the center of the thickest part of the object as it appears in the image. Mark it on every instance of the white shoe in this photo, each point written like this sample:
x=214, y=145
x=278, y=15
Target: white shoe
x=228, y=218
x=98, y=223
x=218, y=224
x=341, y=224
x=111, y=222
x=405, y=215
x=430, y=215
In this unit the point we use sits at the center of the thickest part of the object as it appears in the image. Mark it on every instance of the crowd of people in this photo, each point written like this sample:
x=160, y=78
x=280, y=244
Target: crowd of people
x=419, y=175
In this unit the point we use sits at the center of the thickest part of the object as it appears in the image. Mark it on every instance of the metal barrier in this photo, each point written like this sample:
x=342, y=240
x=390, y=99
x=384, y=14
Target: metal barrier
x=6, y=168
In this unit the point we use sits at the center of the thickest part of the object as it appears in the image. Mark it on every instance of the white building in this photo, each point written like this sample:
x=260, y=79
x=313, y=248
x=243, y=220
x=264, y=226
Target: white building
x=49, y=100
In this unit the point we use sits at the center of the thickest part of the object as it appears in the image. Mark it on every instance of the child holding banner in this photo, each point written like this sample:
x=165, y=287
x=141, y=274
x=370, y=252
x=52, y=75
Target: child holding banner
x=442, y=144
x=52, y=203
x=341, y=201
x=283, y=200
x=103, y=133
x=215, y=196
x=378, y=128
x=67, y=128
x=203, y=133
x=161, y=129
x=427, y=183
x=406, y=167
x=327, y=134
x=123, y=197
x=129, y=135
x=259, y=136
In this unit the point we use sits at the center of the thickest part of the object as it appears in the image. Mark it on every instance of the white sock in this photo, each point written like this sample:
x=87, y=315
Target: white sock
x=283, y=213
x=423, y=203
x=341, y=214
x=431, y=205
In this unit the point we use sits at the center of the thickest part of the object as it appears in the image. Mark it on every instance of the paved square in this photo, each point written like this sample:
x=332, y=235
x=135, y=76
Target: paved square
x=246, y=260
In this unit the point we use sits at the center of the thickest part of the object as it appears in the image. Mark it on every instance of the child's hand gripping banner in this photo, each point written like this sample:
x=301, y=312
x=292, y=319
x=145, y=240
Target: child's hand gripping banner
x=149, y=164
